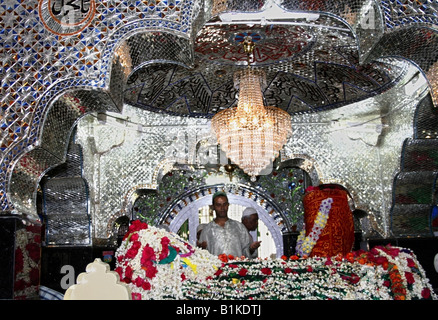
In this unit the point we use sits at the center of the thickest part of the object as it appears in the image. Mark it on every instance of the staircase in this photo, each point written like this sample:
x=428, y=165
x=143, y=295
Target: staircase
x=414, y=209
x=65, y=202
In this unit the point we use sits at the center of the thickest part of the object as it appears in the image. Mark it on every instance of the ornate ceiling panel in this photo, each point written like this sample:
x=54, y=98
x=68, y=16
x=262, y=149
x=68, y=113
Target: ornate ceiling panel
x=310, y=66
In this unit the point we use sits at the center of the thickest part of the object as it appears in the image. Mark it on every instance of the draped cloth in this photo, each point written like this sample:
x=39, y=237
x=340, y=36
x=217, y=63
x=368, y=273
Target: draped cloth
x=231, y=239
x=338, y=234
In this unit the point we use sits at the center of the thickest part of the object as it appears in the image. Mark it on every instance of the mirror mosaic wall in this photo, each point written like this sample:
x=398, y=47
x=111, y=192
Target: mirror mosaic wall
x=102, y=100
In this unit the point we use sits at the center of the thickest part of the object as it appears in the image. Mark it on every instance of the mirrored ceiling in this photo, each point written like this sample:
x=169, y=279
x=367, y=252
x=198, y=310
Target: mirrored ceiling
x=312, y=60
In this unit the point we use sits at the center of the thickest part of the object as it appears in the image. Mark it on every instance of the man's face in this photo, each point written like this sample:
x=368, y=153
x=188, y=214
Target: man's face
x=220, y=205
x=252, y=222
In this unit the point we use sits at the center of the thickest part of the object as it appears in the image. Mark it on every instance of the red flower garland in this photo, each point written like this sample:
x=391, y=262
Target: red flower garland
x=372, y=257
x=136, y=225
x=266, y=271
x=243, y=272
x=147, y=262
x=165, y=248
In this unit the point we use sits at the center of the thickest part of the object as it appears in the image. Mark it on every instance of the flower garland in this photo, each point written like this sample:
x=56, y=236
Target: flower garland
x=155, y=263
x=305, y=244
x=358, y=275
x=298, y=279
x=405, y=273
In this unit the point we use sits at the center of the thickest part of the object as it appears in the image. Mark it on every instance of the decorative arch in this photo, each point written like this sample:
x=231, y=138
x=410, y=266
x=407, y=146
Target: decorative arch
x=64, y=103
x=51, y=149
x=305, y=163
x=187, y=206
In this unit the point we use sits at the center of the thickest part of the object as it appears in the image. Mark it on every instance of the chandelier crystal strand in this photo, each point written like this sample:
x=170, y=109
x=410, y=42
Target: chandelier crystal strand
x=250, y=134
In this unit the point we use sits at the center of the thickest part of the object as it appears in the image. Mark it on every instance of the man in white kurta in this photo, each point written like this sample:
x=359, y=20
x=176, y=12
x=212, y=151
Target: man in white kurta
x=250, y=219
x=224, y=235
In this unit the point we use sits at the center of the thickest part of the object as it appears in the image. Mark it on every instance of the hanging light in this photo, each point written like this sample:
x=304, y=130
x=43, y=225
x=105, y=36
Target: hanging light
x=251, y=134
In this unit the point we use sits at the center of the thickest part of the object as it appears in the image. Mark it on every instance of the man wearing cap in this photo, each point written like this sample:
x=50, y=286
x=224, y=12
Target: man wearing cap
x=225, y=235
x=250, y=220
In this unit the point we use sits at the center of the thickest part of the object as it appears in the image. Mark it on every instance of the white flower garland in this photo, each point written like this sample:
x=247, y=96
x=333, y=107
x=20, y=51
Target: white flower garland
x=189, y=264
x=193, y=273
x=315, y=278
x=305, y=244
x=304, y=279
x=402, y=265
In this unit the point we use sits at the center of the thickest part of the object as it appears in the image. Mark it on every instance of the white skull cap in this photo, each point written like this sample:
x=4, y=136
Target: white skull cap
x=248, y=211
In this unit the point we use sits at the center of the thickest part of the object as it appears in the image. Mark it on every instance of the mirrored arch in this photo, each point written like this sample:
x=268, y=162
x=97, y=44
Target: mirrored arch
x=187, y=208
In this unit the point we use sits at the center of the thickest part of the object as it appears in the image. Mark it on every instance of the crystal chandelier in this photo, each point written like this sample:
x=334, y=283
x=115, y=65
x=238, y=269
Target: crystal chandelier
x=251, y=134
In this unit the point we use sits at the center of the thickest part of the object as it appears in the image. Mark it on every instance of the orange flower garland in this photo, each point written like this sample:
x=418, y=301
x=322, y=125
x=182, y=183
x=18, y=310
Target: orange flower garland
x=398, y=273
